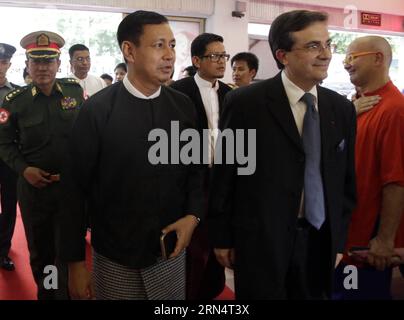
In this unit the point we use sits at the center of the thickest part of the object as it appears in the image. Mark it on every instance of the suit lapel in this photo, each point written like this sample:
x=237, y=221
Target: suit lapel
x=199, y=105
x=278, y=105
x=221, y=93
x=327, y=123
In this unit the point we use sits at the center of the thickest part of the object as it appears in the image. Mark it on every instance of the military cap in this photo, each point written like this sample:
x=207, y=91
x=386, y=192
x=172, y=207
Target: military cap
x=42, y=45
x=6, y=51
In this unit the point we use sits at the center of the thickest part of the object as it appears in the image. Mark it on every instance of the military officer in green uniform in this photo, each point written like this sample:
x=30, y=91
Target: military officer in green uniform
x=8, y=178
x=35, y=124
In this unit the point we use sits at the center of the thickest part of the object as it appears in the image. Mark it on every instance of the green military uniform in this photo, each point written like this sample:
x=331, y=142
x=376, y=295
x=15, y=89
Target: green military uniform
x=34, y=132
x=8, y=178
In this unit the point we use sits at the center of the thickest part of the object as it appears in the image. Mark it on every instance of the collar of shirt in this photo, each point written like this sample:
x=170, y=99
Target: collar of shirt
x=8, y=85
x=132, y=90
x=294, y=93
x=202, y=83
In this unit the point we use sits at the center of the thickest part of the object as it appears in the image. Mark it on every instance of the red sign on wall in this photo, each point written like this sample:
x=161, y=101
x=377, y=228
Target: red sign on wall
x=371, y=19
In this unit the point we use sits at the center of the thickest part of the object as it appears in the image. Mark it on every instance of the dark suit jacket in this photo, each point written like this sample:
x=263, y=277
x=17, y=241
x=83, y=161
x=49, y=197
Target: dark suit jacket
x=256, y=214
x=189, y=87
x=205, y=276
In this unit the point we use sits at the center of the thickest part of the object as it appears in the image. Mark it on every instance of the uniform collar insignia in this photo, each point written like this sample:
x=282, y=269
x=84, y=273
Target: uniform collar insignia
x=59, y=88
x=34, y=91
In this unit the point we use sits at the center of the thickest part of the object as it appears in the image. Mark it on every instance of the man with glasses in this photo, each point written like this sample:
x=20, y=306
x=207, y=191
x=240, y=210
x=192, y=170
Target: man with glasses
x=379, y=171
x=35, y=124
x=80, y=62
x=282, y=227
x=205, y=277
x=8, y=178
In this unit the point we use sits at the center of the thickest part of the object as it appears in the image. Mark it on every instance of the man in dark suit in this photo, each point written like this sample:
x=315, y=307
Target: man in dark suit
x=283, y=227
x=205, y=277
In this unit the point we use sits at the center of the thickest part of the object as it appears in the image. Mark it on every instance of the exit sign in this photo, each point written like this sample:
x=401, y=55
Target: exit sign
x=371, y=19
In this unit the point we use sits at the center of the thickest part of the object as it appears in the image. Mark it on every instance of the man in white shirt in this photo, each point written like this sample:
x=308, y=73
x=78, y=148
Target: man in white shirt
x=205, y=277
x=80, y=62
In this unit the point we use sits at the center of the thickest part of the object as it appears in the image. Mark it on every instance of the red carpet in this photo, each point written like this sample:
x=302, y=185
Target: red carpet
x=20, y=285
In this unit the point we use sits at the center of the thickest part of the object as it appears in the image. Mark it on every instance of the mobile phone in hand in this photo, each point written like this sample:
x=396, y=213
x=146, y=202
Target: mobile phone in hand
x=168, y=242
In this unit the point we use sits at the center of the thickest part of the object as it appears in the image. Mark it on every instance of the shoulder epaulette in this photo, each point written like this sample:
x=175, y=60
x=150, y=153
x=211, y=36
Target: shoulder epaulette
x=69, y=81
x=15, y=93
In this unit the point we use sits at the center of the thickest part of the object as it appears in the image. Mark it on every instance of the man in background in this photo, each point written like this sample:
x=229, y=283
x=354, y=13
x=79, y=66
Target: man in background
x=379, y=171
x=80, y=62
x=8, y=178
x=245, y=68
x=205, y=277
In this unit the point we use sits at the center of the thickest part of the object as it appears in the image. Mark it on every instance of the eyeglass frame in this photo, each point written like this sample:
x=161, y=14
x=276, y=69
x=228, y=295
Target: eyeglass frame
x=319, y=48
x=82, y=59
x=354, y=55
x=217, y=56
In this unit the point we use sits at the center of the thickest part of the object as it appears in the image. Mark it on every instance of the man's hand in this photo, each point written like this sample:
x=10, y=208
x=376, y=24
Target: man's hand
x=380, y=253
x=37, y=177
x=364, y=103
x=338, y=259
x=225, y=257
x=184, y=228
x=80, y=282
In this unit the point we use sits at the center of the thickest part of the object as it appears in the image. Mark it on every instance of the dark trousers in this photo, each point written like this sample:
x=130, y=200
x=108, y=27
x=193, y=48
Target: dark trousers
x=308, y=276
x=372, y=284
x=205, y=277
x=8, y=194
x=39, y=211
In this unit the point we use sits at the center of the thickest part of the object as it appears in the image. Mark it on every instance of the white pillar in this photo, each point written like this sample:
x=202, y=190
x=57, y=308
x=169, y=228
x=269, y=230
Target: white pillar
x=233, y=30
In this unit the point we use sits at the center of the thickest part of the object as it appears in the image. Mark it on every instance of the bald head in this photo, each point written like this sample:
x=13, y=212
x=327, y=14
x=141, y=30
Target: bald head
x=373, y=43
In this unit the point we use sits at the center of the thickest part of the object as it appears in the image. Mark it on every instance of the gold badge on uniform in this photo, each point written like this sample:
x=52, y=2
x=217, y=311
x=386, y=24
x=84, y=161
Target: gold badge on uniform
x=68, y=103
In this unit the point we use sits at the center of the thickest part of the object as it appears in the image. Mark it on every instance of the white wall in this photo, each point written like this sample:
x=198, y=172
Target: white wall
x=169, y=7
x=386, y=6
x=233, y=30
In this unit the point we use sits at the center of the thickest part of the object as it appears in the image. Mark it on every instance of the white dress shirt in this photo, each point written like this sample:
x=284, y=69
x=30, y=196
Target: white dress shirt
x=210, y=99
x=90, y=84
x=294, y=94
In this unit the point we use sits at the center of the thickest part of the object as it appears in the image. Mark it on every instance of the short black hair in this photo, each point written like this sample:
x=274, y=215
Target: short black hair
x=77, y=47
x=121, y=65
x=106, y=76
x=191, y=70
x=281, y=28
x=131, y=27
x=250, y=58
x=199, y=44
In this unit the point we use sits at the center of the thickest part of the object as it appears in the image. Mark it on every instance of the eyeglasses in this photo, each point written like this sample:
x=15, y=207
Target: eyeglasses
x=316, y=47
x=82, y=59
x=215, y=57
x=352, y=56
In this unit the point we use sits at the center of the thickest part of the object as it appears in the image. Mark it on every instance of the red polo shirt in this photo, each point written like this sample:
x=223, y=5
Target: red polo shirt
x=379, y=160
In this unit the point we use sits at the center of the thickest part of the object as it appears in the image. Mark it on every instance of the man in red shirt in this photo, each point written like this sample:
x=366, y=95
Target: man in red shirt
x=379, y=163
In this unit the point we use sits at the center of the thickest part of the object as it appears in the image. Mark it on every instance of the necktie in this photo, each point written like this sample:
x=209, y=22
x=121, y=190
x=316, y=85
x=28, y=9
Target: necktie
x=314, y=210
